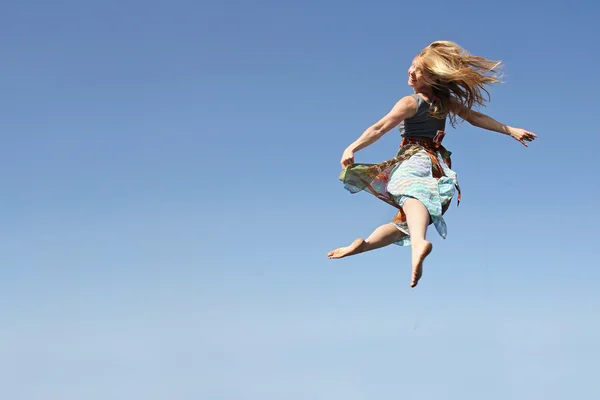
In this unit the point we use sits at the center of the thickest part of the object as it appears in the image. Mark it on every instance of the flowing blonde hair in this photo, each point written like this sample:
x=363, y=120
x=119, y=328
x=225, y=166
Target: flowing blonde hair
x=457, y=78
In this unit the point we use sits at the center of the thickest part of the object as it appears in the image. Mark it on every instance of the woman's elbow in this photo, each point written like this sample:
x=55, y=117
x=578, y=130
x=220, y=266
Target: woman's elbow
x=376, y=130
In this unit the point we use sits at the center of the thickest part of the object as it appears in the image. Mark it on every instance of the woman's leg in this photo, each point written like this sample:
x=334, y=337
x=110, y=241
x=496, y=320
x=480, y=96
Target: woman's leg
x=417, y=218
x=382, y=236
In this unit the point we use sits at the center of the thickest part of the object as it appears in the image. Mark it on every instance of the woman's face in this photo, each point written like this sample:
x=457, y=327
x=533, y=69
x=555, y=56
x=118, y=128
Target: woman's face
x=416, y=75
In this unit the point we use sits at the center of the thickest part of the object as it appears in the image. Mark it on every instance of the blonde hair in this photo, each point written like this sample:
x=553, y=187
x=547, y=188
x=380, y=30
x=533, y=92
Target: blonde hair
x=457, y=78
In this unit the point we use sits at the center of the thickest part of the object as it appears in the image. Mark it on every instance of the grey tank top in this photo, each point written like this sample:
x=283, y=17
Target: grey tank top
x=421, y=124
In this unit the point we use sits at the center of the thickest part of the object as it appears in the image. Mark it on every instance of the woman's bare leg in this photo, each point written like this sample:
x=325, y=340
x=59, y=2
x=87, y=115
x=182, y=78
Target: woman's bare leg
x=381, y=237
x=417, y=218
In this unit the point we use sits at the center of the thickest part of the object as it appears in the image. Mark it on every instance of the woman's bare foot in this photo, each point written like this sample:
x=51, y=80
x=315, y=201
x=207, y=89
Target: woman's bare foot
x=419, y=252
x=354, y=248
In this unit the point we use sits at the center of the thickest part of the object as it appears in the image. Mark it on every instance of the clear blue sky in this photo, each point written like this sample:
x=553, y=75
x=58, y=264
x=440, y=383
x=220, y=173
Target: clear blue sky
x=170, y=192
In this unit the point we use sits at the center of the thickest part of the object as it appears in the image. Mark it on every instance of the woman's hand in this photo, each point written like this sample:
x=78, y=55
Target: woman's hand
x=347, y=158
x=522, y=135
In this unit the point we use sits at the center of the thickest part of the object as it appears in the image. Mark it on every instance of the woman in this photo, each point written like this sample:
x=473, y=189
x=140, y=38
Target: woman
x=447, y=82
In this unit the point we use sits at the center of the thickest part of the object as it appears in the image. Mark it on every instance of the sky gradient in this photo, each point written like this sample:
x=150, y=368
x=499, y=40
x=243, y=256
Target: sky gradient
x=171, y=192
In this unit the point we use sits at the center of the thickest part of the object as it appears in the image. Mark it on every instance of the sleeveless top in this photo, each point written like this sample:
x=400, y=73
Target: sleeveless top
x=421, y=124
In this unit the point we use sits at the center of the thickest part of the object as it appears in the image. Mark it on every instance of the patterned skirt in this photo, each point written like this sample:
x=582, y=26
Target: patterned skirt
x=420, y=170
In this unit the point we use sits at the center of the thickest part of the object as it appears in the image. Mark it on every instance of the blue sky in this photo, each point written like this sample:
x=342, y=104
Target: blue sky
x=171, y=192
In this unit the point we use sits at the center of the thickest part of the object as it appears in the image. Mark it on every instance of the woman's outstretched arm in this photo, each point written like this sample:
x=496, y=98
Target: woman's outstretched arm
x=483, y=121
x=404, y=108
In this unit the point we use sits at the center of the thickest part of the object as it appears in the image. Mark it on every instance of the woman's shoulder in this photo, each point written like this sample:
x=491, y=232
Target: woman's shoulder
x=411, y=101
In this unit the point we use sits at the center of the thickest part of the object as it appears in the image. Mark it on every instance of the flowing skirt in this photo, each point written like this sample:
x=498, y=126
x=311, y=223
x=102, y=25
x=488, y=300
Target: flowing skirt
x=420, y=170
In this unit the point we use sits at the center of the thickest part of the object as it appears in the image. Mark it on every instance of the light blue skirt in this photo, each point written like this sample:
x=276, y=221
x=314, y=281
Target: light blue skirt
x=414, y=179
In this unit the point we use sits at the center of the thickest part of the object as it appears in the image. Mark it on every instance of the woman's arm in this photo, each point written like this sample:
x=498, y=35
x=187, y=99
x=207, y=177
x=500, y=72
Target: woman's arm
x=404, y=108
x=483, y=121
